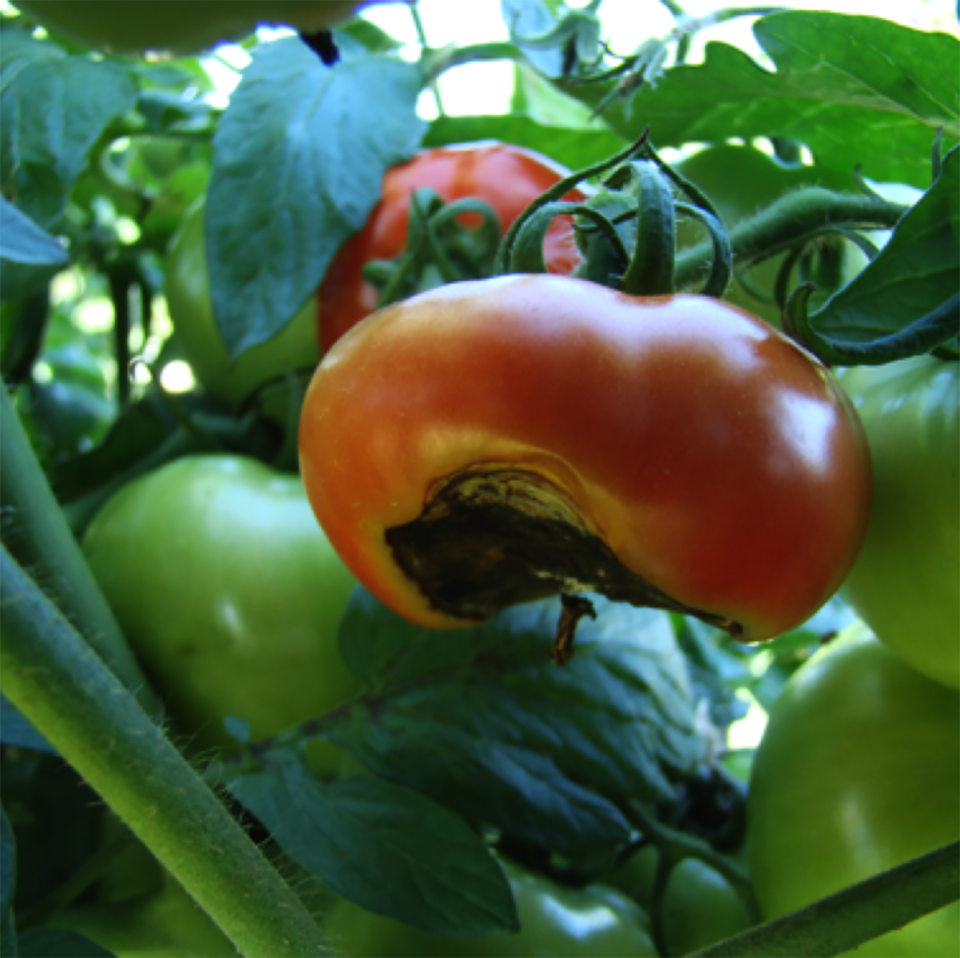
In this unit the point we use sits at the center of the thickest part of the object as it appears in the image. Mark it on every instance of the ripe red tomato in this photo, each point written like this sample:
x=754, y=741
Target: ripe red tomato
x=507, y=177
x=712, y=456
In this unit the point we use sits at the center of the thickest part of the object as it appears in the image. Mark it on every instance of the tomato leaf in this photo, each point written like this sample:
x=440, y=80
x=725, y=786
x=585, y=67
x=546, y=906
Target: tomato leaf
x=299, y=158
x=885, y=313
x=481, y=720
x=52, y=113
x=59, y=943
x=385, y=847
x=8, y=882
x=22, y=241
x=853, y=89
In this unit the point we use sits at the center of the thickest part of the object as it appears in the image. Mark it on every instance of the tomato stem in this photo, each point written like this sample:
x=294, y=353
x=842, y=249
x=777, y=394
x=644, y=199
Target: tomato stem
x=62, y=687
x=840, y=922
x=36, y=532
x=793, y=220
x=557, y=192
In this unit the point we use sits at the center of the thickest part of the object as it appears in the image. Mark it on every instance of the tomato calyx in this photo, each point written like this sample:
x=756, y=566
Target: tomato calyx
x=490, y=538
x=445, y=244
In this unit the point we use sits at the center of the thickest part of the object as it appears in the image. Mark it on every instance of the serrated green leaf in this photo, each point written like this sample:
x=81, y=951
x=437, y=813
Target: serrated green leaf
x=856, y=90
x=51, y=115
x=384, y=847
x=482, y=721
x=575, y=149
x=916, y=272
x=299, y=158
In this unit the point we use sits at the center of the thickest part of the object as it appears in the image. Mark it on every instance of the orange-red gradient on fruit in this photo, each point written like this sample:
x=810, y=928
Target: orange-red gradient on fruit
x=717, y=459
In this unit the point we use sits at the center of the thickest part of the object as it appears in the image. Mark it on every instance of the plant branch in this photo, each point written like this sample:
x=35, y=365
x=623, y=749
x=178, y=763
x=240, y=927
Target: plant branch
x=60, y=685
x=36, y=532
x=842, y=921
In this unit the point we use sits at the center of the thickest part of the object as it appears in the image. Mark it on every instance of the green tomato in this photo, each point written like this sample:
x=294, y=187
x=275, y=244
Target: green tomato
x=229, y=593
x=905, y=583
x=187, y=290
x=857, y=772
x=556, y=921
x=740, y=181
x=157, y=26
x=700, y=906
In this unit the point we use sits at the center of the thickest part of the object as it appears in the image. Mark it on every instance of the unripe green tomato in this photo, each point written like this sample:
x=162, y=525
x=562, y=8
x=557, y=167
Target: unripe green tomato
x=556, y=922
x=229, y=593
x=740, y=181
x=858, y=772
x=905, y=583
x=136, y=27
x=700, y=906
x=187, y=289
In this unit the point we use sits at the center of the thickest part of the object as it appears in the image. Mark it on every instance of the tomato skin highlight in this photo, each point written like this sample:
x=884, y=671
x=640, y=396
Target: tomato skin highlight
x=905, y=583
x=507, y=177
x=716, y=458
x=856, y=773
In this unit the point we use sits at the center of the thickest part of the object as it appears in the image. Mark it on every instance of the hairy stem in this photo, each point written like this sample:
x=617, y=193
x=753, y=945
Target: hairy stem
x=60, y=685
x=36, y=532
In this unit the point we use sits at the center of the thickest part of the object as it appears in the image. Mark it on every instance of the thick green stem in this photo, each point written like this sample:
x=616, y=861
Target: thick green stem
x=792, y=220
x=840, y=922
x=36, y=532
x=60, y=685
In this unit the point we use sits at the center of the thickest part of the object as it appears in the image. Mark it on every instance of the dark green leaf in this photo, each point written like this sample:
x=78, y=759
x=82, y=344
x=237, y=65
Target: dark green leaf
x=59, y=943
x=51, y=114
x=54, y=817
x=390, y=850
x=299, y=159
x=856, y=90
x=575, y=149
x=20, y=49
x=481, y=720
x=914, y=274
x=8, y=863
x=22, y=241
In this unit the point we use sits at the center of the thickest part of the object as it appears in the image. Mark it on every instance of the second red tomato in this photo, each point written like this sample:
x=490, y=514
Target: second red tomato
x=507, y=177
